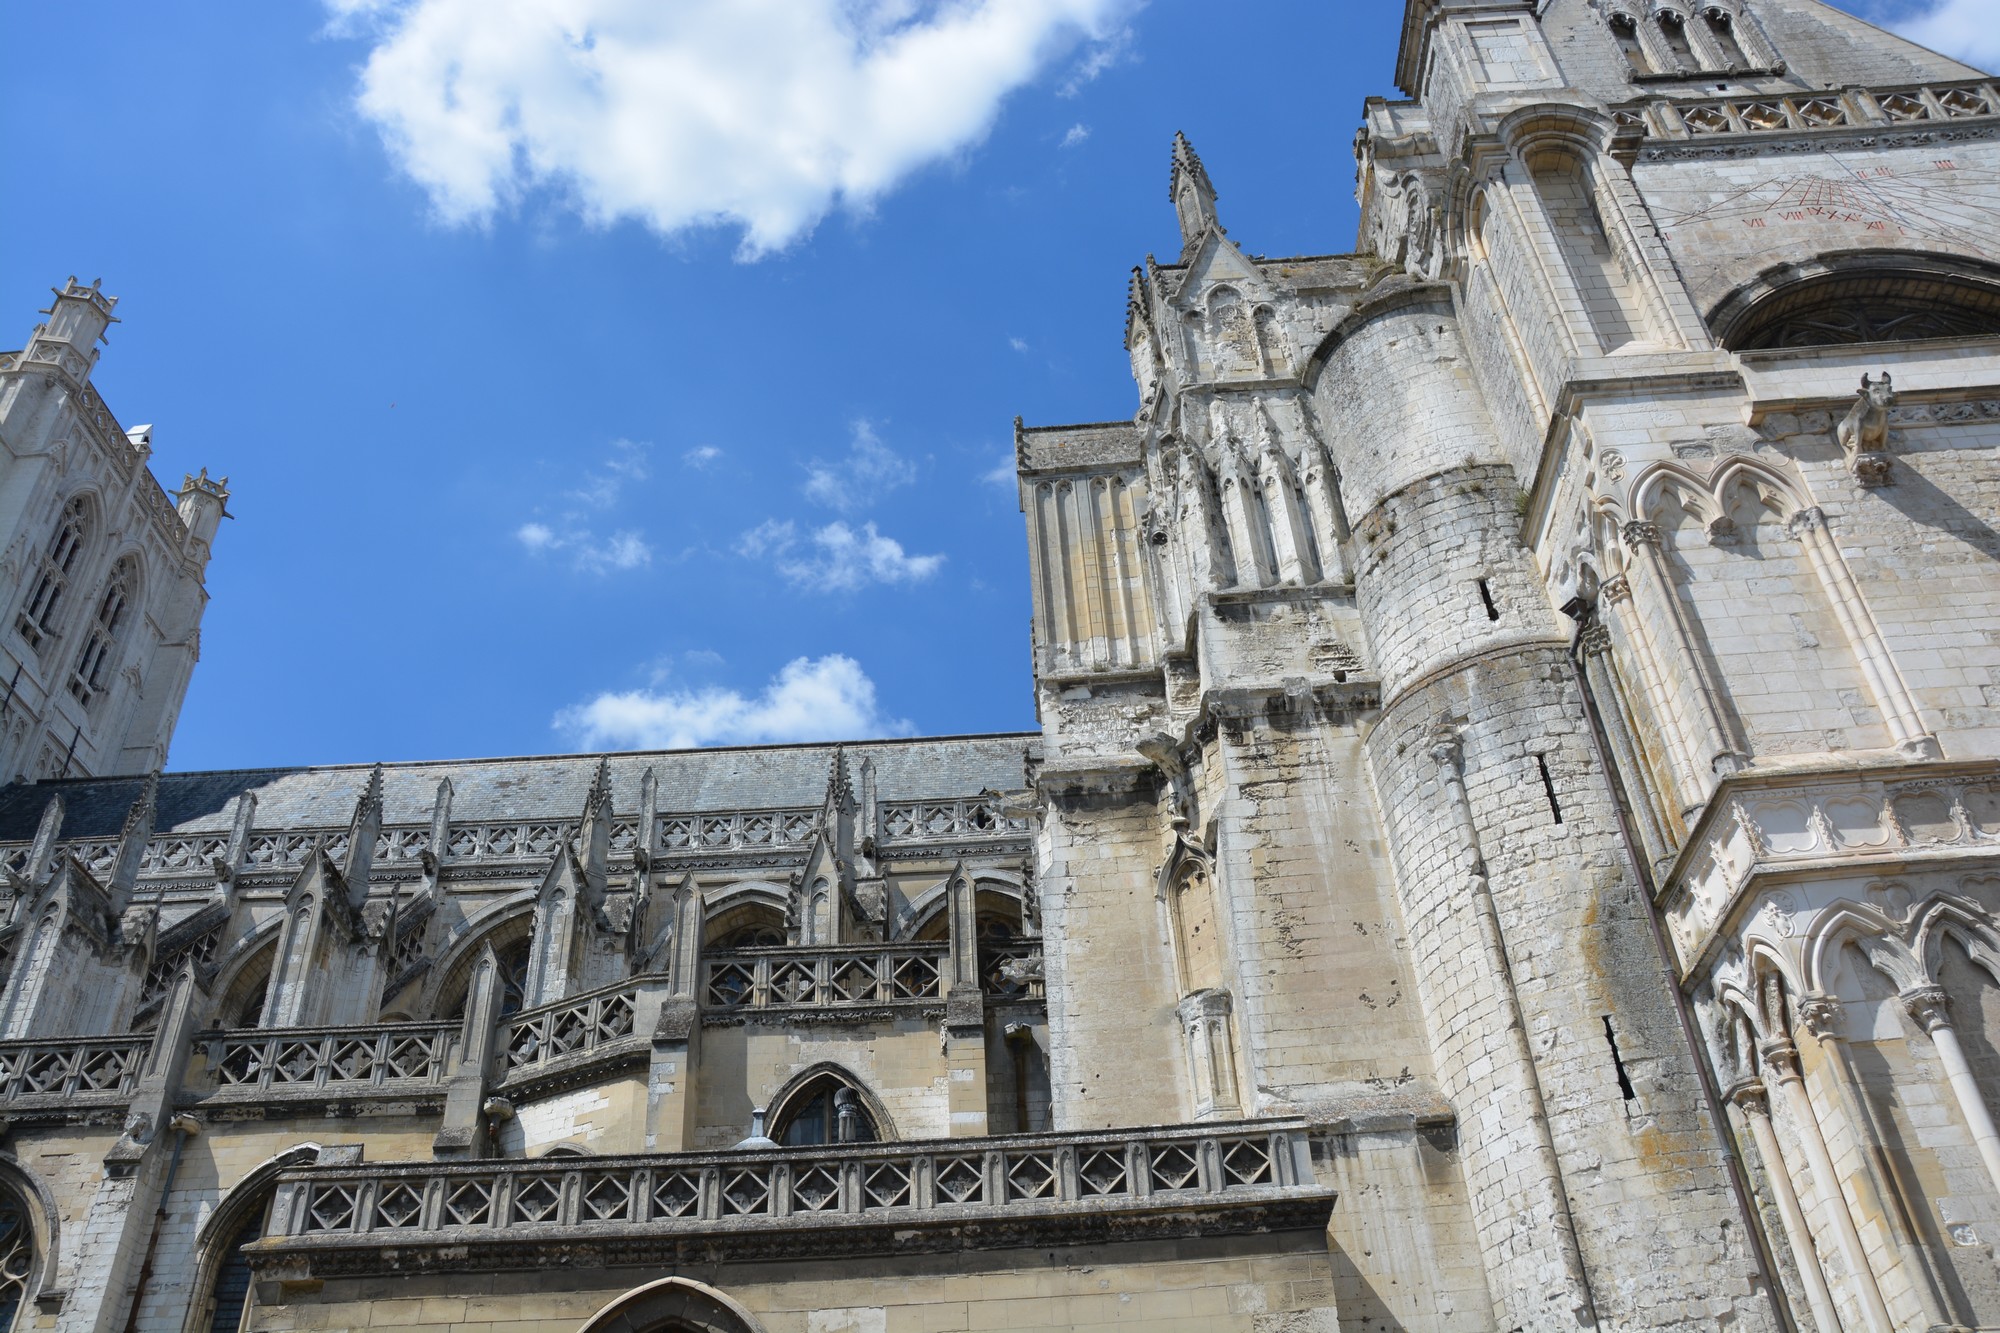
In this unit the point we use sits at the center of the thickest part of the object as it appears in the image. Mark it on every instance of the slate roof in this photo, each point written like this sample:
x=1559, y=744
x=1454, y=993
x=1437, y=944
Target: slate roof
x=536, y=787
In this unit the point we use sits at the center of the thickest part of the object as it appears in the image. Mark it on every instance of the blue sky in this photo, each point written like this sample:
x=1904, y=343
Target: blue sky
x=547, y=431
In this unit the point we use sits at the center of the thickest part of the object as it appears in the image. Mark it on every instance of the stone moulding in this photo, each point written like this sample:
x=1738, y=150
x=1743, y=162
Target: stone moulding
x=1884, y=816
x=890, y=1198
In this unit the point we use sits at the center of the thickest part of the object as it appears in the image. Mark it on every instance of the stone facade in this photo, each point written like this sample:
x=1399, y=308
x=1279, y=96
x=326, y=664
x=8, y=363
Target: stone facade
x=1513, y=841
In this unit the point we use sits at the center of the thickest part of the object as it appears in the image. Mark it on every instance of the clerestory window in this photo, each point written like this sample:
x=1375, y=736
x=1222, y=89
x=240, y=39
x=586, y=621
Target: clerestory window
x=39, y=615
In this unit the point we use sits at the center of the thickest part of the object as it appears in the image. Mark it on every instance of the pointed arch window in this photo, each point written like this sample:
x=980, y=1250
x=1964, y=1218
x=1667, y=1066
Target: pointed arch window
x=826, y=1110
x=98, y=664
x=17, y=1258
x=229, y=1298
x=39, y=614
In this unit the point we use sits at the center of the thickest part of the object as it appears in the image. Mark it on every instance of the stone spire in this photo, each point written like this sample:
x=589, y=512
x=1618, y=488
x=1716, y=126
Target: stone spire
x=1192, y=195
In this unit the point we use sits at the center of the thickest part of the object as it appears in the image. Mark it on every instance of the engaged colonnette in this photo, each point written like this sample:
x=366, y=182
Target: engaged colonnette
x=1513, y=841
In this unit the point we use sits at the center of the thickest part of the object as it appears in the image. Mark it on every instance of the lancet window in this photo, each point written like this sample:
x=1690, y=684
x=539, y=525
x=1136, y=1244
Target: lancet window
x=98, y=664
x=37, y=621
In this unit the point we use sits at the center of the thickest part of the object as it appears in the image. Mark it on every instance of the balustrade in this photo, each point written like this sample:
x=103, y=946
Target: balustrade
x=276, y=1059
x=193, y=855
x=1682, y=118
x=822, y=977
x=691, y=1191
x=975, y=817
x=573, y=1027
x=72, y=1068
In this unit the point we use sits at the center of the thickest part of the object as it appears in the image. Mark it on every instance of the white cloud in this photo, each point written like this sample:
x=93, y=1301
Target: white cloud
x=835, y=558
x=1002, y=472
x=811, y=699
x=701, y=457
x=600, y=487
x=587, y=551
x=1077, y=134
x=1018, y=344
x=870, y=469
x=574, y=531
x=759, y=114
x=1967, y=30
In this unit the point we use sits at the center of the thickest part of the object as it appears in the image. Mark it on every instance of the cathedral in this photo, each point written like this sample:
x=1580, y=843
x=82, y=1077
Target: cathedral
x=1512, y=841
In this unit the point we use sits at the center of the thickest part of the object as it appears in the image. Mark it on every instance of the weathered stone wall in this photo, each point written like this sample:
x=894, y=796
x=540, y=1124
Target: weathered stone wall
x=1265, y=1284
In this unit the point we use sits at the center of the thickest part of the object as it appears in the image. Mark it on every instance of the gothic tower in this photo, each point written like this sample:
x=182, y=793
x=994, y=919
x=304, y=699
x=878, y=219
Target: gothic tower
x=105, y=570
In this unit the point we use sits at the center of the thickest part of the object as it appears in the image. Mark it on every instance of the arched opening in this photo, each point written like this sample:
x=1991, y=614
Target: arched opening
x=1626, y=33
x=751, y=925
x=1674, y=29
x=673, y=1305
x=17, y=1257
x=824, y=1109
x=97, y=666
x=242, y=1004
x=513, y=944
x=1568, y=194
x=39, y=617
x=1862, y=303
x=1195, y=929
x=1722, y=31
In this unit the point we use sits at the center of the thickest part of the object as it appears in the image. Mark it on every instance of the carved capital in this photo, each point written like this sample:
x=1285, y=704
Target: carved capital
x=1446, y=748
x=1750, y=1097
x=1809, y=519
x=1780, y=1058
x=1595, y=641
x=1640, y=533
x=1615, y=589
x=1930, y=1006
x=1821, y=1016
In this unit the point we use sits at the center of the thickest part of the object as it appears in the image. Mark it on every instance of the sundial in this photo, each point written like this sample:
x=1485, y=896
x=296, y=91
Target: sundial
x=1942, y=199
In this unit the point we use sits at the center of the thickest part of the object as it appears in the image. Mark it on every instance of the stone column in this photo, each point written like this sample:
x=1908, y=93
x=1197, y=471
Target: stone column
x=1683, y=769
x=1211, y=1054
x=1781, y=1058
x=670, y=1084
x=1713, y=752
x=1749, y=1097
x=1930, y=1006
x=463, y=1133
x=1864, y=637
x=965, y=1014
x=1821, y=1016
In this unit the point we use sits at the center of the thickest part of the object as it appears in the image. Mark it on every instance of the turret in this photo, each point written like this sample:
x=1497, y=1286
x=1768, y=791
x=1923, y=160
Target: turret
x=203, y=502
x=77, y=320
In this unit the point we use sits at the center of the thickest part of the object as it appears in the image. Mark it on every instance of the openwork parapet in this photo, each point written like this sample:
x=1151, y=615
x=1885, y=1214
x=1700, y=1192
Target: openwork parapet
x=279, y=1060
x=899, y=1196
x=819, y=977
x=89, y=1070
